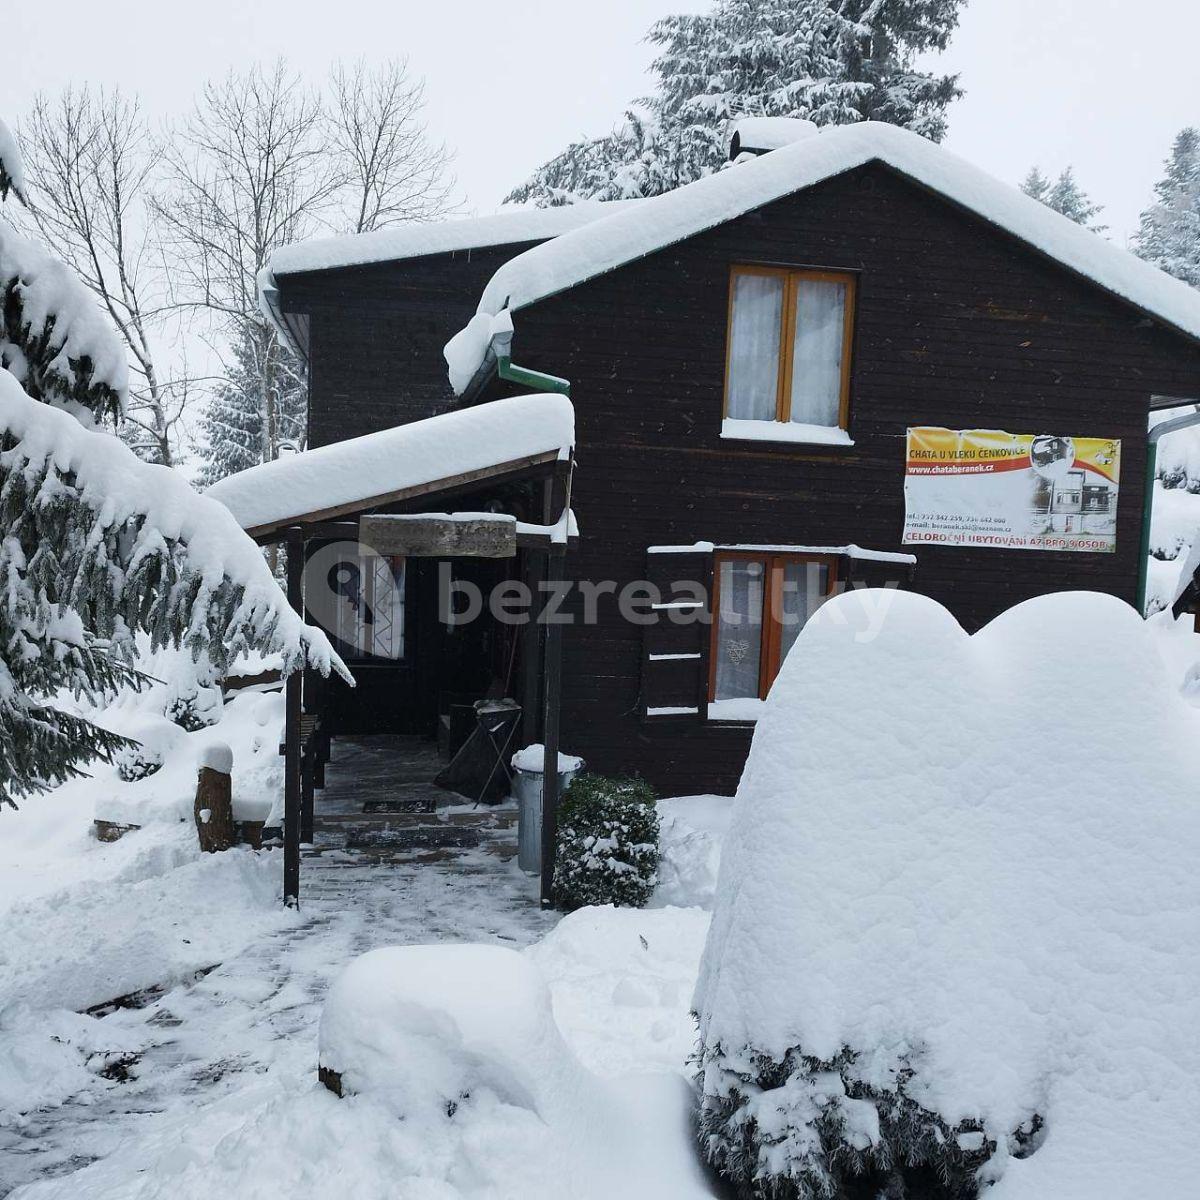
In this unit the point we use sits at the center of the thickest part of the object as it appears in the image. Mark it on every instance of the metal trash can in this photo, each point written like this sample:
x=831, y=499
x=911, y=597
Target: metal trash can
x=527, y=788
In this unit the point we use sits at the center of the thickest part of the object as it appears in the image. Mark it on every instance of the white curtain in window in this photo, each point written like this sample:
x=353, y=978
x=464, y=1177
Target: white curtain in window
x=805, y=585
x=817, y=363
x=739, y=630
x=370, y=613
x=754, y=346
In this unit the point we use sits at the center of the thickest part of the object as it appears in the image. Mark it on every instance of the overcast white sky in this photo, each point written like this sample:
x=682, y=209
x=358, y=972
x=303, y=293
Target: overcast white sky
x=1102, y=84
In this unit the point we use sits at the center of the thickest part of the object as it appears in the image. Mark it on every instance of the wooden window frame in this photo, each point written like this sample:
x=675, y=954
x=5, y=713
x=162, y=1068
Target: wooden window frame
x=787, y=334
x=364, y=658
x=772, y=628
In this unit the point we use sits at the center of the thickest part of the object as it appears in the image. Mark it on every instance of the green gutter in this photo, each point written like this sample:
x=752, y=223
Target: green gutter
x=1186, y=421
x=538, y=380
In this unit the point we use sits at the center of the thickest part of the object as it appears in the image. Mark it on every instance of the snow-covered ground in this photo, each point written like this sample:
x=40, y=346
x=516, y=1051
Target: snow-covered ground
x=210, y=1083
x=207, y=1083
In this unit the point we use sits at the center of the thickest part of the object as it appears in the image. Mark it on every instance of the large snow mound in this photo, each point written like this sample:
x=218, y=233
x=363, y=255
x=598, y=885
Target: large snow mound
x=462, y=1040
x=978, y=855
x=366, y=469
x=411, y=1020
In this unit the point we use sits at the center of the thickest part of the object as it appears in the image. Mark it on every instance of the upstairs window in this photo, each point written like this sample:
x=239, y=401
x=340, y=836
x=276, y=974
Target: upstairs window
x=790, y=335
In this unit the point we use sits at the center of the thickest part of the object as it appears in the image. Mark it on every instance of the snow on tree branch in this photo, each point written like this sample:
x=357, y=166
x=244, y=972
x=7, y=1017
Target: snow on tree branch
x=127, y=544
x=12, y=173
x=53, y=336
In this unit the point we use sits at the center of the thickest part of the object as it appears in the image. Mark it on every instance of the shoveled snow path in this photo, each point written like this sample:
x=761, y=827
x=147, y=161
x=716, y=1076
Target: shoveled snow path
x=257, y=1013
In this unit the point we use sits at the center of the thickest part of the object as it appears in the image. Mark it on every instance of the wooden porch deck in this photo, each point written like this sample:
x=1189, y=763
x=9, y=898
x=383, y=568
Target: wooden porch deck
x=380, y=803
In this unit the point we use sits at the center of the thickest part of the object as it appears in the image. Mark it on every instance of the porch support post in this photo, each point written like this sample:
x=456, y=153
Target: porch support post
x=294, y=702
x=531, y=650
x=557, y=501
x=552, y=694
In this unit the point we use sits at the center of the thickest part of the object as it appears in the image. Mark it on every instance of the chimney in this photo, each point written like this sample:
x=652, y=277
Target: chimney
x=760, y=135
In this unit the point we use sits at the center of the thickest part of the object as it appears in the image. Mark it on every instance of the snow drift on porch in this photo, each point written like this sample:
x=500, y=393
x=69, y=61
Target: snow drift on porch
x=351, y=475
x=662, y=221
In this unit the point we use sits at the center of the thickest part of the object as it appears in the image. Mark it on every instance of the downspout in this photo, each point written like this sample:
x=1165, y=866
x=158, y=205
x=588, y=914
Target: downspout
x=1184, y=421
x=501, y=347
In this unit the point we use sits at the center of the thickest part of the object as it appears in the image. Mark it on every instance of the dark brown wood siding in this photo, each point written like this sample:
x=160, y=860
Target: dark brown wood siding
x=376, y=334
x=958, y=325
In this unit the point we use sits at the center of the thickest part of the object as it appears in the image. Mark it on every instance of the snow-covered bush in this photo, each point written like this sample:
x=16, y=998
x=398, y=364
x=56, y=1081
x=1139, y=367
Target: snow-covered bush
x=193, y=705
x=432, y=1027
x=607, y=843
x=154, y=740
x=953, y=942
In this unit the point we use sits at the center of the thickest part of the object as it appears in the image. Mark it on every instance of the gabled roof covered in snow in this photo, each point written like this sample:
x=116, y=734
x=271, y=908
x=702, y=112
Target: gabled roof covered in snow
x=511, y=225
x=653, y=224
x=396, y=464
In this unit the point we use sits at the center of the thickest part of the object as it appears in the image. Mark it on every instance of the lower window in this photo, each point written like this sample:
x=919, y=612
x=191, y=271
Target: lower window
x=762, y=602
x=370, y=609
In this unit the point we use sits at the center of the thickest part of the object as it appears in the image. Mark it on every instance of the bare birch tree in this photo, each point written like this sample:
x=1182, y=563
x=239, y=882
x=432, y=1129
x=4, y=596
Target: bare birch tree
x=93, y=158
x=264, y=160
x=393, y=173
x=246, y=173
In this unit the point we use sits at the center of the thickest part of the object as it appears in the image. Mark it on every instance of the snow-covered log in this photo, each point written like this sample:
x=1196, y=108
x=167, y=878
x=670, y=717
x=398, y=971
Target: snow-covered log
x=53, y=335
x=955, y=927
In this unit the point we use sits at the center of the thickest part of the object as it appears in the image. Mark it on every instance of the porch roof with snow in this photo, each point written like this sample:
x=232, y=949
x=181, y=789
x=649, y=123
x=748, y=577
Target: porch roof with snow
x=451, y=451
x=653, y=224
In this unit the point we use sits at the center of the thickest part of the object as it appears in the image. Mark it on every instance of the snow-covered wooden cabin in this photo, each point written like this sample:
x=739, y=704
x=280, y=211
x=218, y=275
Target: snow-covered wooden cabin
x=746, y=357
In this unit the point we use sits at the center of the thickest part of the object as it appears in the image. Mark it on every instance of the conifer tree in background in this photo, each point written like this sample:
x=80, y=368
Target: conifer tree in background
x=231, y=429
x=834, y=63
x=1036, y=184
x=1065, y=196
x=1169, y=233
x=95, y=544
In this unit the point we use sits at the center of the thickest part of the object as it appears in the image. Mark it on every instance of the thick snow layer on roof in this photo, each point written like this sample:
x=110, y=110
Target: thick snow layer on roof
x=661, y=221
x=10, y=161
x=1003, y=892
x=516, y=224
x=378, y=464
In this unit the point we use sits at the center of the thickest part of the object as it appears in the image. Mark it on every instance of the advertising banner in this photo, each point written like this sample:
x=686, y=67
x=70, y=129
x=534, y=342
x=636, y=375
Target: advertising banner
x=1011, y=491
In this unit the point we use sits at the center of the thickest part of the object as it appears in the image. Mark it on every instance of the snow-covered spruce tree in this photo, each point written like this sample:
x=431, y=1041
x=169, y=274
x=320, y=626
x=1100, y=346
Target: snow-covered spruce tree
x=1036, y=184
x=607, y=843
x=832, y=62
x=231, y=429
x=95, y=544
x=1169, y=232
x=1065, y=196
x=12, y=177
